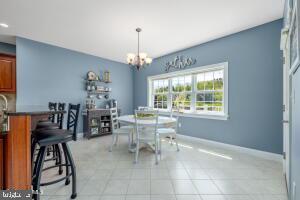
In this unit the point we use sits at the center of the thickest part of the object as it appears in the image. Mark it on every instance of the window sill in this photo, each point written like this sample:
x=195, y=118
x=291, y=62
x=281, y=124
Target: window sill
x=203, y=116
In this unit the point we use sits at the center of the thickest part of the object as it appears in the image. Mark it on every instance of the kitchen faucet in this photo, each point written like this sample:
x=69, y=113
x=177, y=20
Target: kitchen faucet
x=5, y=122
x=5, y=101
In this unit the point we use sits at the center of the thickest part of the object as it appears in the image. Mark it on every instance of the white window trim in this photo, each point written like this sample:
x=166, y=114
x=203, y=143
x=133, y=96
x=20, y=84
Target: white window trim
x=210, y=115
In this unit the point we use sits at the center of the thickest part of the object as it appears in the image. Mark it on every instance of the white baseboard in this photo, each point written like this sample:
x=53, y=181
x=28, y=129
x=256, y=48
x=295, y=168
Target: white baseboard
x=254, y=152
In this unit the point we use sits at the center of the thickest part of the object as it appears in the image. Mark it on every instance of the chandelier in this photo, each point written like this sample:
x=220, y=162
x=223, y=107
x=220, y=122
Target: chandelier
x=139, y=60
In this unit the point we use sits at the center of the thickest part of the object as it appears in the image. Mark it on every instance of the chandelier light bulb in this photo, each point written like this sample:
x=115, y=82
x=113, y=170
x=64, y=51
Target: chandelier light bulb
x=143, y=55
x=148, y=60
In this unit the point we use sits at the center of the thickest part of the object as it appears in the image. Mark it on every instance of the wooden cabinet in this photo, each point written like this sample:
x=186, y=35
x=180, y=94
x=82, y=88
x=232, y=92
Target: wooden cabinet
x=7, y=73
x=1, y=164
x=96, y=122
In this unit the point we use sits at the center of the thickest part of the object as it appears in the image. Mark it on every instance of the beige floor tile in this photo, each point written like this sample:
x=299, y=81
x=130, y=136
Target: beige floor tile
x=138, y=197
x=160, y=174
x=238, y=197
x=197, y=174
x=213, y=197
x=93, y=187
x=121, y=174
x=163, y=197
x=113, y=197
x=113, y=176
x=139, y=187
x=178, y=174
x=229, y=187
x=188, y=197
x=269, y=197
x=206, y=187
x=116, y=187
x=101, y=174
x=161, y=187
x=184, y=187
x=141, y=174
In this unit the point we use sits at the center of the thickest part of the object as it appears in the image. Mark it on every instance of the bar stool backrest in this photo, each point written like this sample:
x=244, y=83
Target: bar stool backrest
x=60, y=116
x=52, y=107
x=73, y=114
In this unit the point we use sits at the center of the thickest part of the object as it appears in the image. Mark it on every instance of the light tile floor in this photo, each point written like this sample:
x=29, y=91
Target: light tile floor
x=197, y=172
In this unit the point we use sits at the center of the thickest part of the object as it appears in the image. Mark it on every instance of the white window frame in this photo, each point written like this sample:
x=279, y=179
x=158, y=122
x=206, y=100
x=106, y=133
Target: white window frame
x=209, y=115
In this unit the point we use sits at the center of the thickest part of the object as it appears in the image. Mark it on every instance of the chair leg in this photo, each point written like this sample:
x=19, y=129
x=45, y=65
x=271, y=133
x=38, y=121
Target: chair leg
x=35, y=166
x=137, y=151
x=33, y=149
x=176, y=141
x=38, y=175
x=58, y=152
x=160, y=151
x=113, y=137
x=129, y=140
x=171, y=139
x=48, y=151
x=156, y=150
x=55, y=154
x=73, y=169
x=117, y=139
x=67, y=182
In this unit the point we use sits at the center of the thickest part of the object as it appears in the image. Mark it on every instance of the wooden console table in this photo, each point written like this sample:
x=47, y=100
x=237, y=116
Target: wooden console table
x=97, y=122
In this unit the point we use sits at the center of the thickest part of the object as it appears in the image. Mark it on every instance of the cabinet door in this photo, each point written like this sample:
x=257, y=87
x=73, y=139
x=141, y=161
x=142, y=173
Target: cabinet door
x=1, y=164
x=7, y=73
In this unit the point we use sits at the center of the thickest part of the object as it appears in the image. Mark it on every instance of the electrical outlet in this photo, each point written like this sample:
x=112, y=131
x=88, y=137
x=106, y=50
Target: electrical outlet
x=179, y=125
x=294, y=191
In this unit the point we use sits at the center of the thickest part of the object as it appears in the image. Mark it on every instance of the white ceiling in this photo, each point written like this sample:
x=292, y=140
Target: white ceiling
x=106, y=28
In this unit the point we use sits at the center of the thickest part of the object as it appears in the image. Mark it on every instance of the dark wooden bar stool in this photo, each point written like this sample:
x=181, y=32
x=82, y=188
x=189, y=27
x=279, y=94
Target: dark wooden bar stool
x=57, y=137
x=51, y=124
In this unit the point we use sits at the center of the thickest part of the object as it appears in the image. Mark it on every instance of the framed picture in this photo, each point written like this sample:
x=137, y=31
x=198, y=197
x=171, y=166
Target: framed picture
x=294, y=40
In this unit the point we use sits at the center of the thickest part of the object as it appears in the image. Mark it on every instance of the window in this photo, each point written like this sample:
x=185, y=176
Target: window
x=181, y=92
x=209, y=91
x=199, y=92
x=160, y=94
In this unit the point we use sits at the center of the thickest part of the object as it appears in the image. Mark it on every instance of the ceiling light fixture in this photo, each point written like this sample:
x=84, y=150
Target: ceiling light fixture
x=138, y=60
x=3, y=25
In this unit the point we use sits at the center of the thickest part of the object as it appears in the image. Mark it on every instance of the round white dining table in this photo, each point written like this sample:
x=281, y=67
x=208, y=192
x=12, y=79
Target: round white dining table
x=162, y=120
x=130, y=120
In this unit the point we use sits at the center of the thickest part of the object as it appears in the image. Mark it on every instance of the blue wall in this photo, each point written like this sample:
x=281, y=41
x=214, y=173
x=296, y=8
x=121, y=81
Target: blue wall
x=255, y=88
x=48, y=73
x=7, y=48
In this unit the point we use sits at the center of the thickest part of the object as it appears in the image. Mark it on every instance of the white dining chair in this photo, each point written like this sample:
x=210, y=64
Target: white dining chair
x=170, y=132
x=119, y=130
x=146, y=133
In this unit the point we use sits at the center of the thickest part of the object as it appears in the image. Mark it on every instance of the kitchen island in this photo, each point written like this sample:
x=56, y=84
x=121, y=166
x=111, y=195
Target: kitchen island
x=17, y=145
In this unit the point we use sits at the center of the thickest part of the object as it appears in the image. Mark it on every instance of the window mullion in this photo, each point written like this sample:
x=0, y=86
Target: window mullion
x=193, y=95
x=170, y=95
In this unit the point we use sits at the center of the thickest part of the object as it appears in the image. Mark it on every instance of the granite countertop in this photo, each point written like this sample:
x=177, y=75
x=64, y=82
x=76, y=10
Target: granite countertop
x=32, y=110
